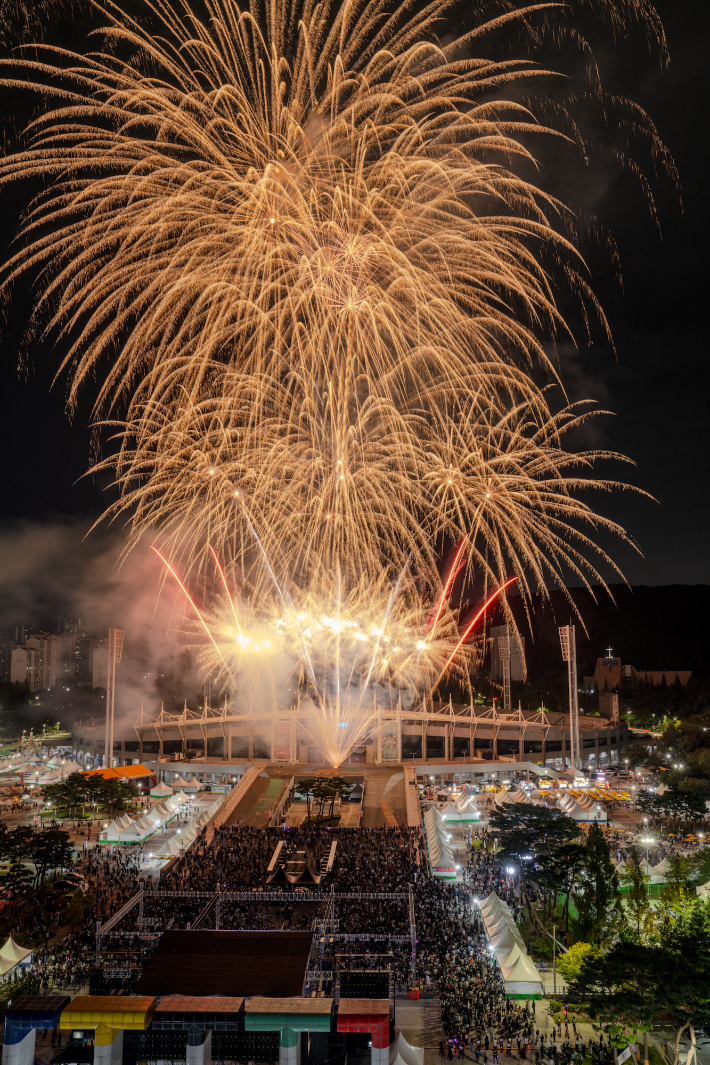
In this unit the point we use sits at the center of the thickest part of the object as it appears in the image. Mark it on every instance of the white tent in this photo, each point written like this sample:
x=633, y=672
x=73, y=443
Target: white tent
x=160, y=791
x=182, y=798
x=492, y=904
x=441, y=857
x=72, y=767
x=520, y=975
x=456, y=812
x=12, y=955
x=406, y=1052
x=188, y=834
x=143, y=826
x=579, y=812
x=179, y=783
x=662, y=789
x=169, y=849
x=192, y=785
x=703, y=890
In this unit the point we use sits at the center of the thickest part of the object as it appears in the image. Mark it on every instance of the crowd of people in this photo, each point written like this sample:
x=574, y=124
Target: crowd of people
x=451, y=958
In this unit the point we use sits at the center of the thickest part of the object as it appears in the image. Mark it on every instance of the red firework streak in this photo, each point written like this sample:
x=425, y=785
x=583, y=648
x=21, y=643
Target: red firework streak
x=491, y=599
x=453, y=573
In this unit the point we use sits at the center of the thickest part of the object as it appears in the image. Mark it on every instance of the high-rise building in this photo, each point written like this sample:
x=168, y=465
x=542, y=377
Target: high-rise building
x=7, y=646
x=74, y=632
x=26, y=667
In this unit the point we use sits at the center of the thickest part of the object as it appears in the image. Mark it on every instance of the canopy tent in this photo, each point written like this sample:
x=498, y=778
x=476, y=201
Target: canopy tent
x=279, y=877
x=407, y=1053
x=453, y=812
x=662, y=789
x=12, y=955
x=188, y=834
x=583, y=809
x=662, y=868
x=192, y=785
x=520, y=976
x=492, y=904
x=306, y=877
x=170, y=849
x=703, y=890
x=160, y=791
x=179, y=784
x=72, y=767
x=441, y=858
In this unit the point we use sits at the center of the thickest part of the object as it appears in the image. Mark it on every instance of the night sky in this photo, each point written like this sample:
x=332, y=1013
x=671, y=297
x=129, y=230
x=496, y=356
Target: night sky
x=657, y=384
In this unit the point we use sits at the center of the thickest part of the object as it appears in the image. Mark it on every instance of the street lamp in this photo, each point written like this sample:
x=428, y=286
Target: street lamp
x=648, y=840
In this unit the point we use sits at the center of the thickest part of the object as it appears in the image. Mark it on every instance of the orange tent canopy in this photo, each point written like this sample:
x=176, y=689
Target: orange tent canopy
x=121, y=772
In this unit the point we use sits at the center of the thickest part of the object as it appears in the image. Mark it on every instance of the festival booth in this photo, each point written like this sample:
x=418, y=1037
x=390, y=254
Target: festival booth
x=403, y=1051
x=520, y=975
x=160, y=791
x=170, y=849
x=441, y=858
x=453, y=812
x=192, y=785
x=583, y=808
x=506, y=798
x=13, y=957
x=703, y=890
x=179, y=784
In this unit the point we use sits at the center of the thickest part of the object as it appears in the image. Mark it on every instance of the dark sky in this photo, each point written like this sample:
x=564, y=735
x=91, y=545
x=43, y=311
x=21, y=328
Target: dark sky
x=658, y=385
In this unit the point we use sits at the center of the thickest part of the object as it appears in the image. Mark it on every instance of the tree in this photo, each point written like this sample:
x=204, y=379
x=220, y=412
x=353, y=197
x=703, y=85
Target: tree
x=340, y=787
x=527, y=833
x=50, y=849
x=79, y=791
x=628, y=988
x=621, y=988
x=15, y=850
x=324, y=791
x=305, y=787
x=598, y=899
x=559, y=871
x=637, y=904
x=570, y=964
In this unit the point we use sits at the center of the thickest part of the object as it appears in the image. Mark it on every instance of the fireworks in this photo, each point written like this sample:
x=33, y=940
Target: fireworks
x=291, y=243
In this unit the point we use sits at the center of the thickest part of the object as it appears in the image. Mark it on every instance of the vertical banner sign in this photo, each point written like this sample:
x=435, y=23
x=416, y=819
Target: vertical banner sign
x=282, y=741
x=390, y=740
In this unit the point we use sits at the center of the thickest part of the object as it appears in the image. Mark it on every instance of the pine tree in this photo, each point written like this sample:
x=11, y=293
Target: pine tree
x=598, y=898
x=637, y=904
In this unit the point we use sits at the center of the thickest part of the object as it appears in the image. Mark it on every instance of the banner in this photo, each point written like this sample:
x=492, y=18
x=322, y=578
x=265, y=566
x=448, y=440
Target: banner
x=390, y=741
x=282, y=741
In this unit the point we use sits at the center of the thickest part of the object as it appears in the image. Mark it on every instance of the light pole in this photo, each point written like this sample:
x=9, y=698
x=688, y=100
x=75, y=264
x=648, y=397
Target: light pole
x=554, y=961
x=648, y=840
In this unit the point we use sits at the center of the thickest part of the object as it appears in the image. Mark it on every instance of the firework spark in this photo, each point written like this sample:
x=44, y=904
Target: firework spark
x=293, y=243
